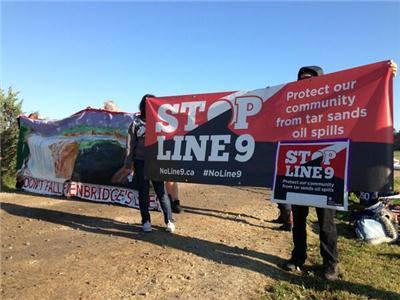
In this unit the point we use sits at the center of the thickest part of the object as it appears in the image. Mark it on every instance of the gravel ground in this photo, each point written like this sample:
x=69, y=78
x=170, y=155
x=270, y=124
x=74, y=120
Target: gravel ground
x=224, y=248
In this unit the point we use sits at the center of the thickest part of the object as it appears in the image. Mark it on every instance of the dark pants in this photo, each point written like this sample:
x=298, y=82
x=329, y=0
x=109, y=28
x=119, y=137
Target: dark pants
x=284, y=213
x=143, y=186
x=327, y=235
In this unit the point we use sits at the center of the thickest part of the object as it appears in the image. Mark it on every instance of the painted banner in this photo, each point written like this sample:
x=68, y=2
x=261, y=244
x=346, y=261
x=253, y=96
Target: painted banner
x=231, y=138
x=107, y=194
x=88, y=146
x=42, y=186
x=312, y=174
x=77, y=156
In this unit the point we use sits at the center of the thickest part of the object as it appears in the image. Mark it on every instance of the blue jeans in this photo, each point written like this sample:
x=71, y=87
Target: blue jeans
x=143, y=189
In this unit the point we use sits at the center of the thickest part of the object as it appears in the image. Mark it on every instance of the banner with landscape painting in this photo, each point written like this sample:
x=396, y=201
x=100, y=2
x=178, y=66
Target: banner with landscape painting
x=77, y=156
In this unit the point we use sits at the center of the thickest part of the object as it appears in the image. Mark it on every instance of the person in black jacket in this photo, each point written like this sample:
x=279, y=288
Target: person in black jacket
x=327, y=226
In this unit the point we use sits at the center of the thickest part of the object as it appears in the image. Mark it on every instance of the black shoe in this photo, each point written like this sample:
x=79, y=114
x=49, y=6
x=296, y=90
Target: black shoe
x=277, y=221
x=292, y=265
x=285, y=227
x=331, y=272
x=176, y=207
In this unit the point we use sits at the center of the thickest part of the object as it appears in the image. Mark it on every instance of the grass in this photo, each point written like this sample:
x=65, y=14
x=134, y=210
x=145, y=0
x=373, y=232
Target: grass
x=8, y=184
x=397, y=154
x=367, y=271
x=397, y=183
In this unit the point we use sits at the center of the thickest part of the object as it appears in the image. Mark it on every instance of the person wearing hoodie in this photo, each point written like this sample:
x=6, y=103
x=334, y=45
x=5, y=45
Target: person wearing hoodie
x=134, y=160
x=326, y=222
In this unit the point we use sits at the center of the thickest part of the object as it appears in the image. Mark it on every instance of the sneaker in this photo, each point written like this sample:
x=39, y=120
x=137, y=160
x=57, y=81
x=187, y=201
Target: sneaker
x=170, y=227
x=147, y=227
x=292, y=266
x=331, y=272
x=176, y=207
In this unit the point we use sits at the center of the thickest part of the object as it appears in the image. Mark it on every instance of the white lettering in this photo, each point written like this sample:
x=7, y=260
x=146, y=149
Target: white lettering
x=246, y=107
x=172, y=122
x=192, y=108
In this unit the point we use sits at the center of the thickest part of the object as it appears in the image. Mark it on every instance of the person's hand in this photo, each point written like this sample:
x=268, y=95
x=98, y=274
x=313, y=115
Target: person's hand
x=120, y=175
x=393, y=65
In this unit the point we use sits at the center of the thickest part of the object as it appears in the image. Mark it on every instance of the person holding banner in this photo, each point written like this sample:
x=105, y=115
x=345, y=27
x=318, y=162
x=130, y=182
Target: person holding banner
x=327, y=226
x=134, y=160
x=173, y=192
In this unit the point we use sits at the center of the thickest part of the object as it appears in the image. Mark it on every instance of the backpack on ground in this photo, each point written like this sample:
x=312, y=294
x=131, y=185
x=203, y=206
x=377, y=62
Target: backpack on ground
x=376, y=224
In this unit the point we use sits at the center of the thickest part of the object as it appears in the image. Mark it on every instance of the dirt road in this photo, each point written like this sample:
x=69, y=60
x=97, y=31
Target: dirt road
x=224, y=248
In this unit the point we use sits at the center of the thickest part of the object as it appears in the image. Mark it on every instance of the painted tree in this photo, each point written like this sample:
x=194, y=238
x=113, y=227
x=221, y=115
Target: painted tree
x=10, y=110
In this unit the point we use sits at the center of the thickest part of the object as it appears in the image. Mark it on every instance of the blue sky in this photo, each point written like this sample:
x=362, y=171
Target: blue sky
x=64, y=56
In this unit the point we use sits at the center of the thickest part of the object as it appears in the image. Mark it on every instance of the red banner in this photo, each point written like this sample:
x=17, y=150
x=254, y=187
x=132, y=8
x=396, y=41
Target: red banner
x=189, y=137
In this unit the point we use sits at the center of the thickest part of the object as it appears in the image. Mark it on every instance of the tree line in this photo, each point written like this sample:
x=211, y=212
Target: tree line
x=396, y=142
x=11, y=108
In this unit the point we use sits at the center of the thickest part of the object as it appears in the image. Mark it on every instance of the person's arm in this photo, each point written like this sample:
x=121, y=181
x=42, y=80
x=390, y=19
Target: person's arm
x=120, y=175
x=130, y=146
x=128, y=166
x=393, y=65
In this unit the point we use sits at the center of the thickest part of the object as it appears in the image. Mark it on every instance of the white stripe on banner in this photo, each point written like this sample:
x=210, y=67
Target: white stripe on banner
x=43, y=186
x=108, y=194
x=305, y=199
x=92, y=192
